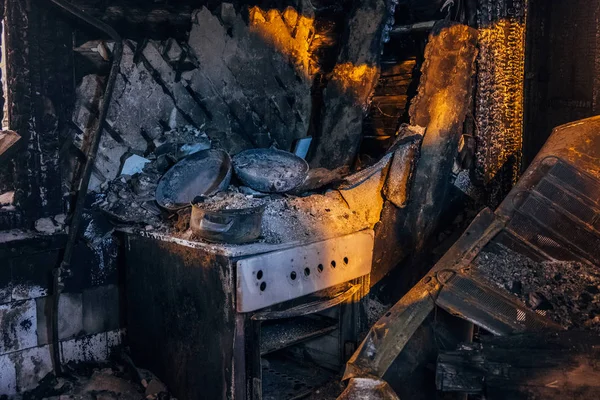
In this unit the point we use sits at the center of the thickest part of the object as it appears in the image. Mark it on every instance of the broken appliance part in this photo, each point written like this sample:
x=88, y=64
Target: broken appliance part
x=552, y=213
x=229, y=226
x=201, y=174
x=194, y=314
x=270, y=170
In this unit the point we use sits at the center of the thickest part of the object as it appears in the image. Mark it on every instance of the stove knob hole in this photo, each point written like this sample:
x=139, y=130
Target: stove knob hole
x=263, y=286
x=346, y=261
x=333, y=264
x=320, y=267
x=307, y=271
x=293, y=275
x=259, y=275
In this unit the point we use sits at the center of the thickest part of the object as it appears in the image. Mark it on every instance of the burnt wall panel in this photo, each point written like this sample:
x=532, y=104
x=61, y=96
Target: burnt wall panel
x=563, y=67
x=38, y=76
x=180, y=317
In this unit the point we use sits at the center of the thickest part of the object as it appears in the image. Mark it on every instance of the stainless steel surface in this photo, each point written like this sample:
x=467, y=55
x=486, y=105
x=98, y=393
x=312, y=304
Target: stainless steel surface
x=279, y=276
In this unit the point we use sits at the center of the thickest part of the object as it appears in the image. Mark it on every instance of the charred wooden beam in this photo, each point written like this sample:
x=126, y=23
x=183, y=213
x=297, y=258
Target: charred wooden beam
x=440, y=107
x=39, y=78
x=352, y=81
x=558, y=365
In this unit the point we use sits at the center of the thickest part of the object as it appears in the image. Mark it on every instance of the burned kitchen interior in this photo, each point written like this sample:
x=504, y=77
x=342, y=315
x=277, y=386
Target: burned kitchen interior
x=300, y=199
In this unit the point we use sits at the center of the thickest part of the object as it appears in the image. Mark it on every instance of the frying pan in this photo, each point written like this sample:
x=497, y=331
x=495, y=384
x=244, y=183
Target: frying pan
x=270, y=170
x=201, y=174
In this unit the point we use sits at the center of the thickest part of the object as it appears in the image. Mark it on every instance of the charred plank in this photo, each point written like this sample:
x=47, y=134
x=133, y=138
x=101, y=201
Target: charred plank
x=554, y=365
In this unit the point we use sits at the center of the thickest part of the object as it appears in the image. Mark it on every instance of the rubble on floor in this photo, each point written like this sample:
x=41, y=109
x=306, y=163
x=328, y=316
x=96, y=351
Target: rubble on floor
x=99, y=382
x=567, y=292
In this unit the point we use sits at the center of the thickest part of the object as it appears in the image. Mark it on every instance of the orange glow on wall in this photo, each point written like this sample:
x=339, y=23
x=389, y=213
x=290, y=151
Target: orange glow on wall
x=289, y=32
x=351, y=77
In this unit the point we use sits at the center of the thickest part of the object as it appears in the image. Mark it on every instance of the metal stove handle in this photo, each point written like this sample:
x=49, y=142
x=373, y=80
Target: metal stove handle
x=309, y=308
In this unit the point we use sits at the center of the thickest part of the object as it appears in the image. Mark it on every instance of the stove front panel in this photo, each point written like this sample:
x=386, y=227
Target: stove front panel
x=273, y=278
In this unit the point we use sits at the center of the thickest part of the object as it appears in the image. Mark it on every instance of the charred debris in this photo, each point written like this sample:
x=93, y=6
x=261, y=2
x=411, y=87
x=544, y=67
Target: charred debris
x=299, y=200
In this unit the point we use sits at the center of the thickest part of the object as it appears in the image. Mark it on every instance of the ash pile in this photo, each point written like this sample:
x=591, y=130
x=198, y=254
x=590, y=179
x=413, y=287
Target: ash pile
x=567, y=292
x=120, y=379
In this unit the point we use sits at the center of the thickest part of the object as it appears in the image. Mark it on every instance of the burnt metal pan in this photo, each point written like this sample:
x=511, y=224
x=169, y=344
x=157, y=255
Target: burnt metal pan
x=201, y=174
x=270, y=170
x=227, y=226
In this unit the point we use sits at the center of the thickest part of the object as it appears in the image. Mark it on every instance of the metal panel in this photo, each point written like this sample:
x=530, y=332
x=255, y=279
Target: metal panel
x=279, y=276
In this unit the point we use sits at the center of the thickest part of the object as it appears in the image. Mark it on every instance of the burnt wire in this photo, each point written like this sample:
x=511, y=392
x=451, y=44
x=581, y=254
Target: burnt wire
x=76, y=216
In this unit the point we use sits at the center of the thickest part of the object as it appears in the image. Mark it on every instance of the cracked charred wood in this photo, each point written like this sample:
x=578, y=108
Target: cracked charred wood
x=346, y=96
x=440, y=108
x=41, y=86
x=560, y=365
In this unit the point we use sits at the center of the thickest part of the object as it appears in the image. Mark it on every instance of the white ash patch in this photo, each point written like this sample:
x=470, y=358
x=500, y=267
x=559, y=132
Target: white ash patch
x=230, y=200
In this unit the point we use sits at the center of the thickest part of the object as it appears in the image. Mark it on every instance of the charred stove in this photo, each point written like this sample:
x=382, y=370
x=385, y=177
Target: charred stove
x=252, y=321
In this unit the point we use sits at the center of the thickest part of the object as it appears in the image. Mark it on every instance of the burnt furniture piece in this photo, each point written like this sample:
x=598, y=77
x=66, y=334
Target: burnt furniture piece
x=551, y=214
x=250, y=321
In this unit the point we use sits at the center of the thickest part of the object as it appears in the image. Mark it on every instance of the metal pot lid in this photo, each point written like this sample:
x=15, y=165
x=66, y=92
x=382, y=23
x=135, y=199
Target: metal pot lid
x=201, y=174
x=270, y=170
